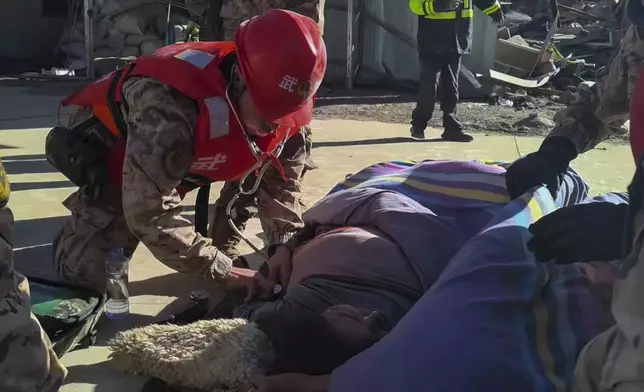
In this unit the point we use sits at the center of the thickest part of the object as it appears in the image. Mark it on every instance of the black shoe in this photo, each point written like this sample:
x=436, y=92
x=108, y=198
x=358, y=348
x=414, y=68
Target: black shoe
x=456, y=136
x=417, y=133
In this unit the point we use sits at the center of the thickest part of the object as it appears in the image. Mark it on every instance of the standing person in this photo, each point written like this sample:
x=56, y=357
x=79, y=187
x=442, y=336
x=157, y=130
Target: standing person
x=196, y=113
x=234, y=12
x=599, y=112
x=444, y=36
x=27, y=363
x=296, y=156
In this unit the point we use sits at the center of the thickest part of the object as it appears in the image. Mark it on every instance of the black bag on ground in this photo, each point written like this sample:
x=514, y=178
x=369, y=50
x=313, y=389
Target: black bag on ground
x=68, y=314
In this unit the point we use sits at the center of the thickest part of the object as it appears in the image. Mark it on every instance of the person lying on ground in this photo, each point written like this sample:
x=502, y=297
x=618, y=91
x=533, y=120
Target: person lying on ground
x=355, y=271
x=493, y=319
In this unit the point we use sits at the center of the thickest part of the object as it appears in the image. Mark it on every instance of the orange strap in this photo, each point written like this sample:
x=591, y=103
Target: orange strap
x=102, y=112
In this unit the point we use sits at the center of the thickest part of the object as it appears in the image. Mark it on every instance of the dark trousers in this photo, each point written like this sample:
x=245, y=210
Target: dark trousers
x=438, y=70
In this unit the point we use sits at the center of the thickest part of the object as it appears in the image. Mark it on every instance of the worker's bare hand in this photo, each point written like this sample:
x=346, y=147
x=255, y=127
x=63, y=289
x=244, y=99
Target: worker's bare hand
x=255, y=284
x=280, y=266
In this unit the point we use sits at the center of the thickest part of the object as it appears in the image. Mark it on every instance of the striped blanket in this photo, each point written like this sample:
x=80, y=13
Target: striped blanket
x=495, y=320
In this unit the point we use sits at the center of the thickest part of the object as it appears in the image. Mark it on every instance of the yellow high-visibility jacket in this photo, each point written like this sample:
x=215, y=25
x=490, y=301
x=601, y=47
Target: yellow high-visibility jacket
x=431, y=9
x=445, y=26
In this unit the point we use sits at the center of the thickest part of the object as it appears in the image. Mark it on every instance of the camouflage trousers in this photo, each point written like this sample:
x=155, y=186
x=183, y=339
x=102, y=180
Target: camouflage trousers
x=273, y=195
x=27, y=364
x=234, y=12
x=614, y=360
x=602, y=110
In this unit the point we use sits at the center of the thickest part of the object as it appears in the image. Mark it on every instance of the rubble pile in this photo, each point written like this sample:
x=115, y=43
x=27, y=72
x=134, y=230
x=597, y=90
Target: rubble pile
x=548, y=48
x=122, y=29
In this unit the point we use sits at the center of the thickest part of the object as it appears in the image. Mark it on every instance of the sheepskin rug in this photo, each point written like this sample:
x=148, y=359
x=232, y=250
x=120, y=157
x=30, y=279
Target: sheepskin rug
x=210, y=355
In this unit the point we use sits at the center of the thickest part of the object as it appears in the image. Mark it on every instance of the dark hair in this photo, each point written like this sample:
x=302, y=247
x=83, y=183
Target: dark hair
x=304, y=342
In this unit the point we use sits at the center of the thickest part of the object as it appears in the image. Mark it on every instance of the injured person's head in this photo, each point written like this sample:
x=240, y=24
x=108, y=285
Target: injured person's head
x=309, y=342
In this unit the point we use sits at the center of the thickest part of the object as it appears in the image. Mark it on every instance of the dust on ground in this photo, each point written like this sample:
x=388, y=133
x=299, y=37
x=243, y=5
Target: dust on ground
x=476, y=116
x=388, y=107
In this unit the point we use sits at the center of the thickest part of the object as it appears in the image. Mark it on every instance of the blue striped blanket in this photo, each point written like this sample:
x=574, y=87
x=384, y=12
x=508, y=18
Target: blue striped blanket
x=495, y=320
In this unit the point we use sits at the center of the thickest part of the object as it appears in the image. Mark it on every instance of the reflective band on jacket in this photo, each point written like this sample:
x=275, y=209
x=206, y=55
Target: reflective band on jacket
x=492, y=9
x=426, y=9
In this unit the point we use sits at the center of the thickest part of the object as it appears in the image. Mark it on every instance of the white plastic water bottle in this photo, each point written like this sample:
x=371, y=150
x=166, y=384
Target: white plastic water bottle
x=116, y=267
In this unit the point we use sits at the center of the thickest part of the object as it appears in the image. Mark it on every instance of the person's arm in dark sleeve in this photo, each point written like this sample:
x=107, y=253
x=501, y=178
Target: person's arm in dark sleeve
x=158, y=155
x=489, y=7
x=314, y=9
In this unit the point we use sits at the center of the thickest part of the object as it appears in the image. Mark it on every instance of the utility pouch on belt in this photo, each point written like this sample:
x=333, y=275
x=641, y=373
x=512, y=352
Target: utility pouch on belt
x=80, y=154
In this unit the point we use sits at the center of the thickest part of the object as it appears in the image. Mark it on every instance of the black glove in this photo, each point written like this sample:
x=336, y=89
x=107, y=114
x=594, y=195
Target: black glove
x=544, y=167
x=583, y=232
x=497, y=17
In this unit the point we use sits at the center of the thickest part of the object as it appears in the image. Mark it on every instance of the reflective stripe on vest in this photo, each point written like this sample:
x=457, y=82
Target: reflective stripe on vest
x=430, y=13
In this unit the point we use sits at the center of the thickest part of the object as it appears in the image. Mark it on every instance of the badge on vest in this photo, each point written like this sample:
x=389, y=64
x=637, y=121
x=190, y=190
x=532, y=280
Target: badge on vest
x=209, y=163
x=218, y=112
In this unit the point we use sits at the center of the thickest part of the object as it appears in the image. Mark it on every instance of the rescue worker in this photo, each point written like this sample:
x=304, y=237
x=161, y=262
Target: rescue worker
x=27, y=363
x=599, y=112
x=614, y=360
x=195, y=113
x=228, y=15
x=444, y=36
x=234, y=12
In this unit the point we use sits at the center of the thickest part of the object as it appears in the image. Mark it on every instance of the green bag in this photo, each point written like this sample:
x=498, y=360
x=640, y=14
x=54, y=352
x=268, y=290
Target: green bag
x=68, y=314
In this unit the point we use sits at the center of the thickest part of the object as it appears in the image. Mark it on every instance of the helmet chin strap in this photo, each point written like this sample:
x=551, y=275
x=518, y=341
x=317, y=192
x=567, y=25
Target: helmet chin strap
x=260, y=164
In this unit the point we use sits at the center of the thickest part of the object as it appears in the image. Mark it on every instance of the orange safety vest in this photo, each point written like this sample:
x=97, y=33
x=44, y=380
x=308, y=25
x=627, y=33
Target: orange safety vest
x=222, y=149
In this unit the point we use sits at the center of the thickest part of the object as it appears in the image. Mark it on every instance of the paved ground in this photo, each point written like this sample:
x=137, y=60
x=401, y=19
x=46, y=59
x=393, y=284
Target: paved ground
x=341, y=147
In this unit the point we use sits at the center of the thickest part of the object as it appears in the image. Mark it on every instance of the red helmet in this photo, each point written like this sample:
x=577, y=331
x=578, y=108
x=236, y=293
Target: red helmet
x=282, y=57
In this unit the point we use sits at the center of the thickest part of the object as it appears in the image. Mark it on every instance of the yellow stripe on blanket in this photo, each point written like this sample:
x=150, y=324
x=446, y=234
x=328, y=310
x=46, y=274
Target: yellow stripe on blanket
x=472, y=194
x=540, y=311
x=541, y=330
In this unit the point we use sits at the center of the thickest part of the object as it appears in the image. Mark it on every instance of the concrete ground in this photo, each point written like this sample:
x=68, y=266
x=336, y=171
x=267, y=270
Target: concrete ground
x=341, y=147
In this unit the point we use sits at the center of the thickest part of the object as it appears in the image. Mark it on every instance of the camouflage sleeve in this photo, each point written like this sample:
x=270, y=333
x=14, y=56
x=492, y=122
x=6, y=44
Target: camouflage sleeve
x=158, y=155
x=280, y=207
x=27, y=364
x=601, y=111
x=245, y=9
x=314, y=9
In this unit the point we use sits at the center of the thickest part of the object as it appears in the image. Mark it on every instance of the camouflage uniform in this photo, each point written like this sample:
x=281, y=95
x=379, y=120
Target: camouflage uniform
x=295, y=158
x=27, y=364
x=233, y=12
x=614, y=360
x=602, y=111
x=158, y=155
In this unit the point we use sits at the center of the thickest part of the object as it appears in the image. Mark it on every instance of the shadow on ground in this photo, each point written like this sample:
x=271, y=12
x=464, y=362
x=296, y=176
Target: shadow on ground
x=170, y=285
x=363, y=97
x=28, y=186
x=33, y=250
x=103, y=375
x=28, y=164
x=35, y=121
x=371, y=142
